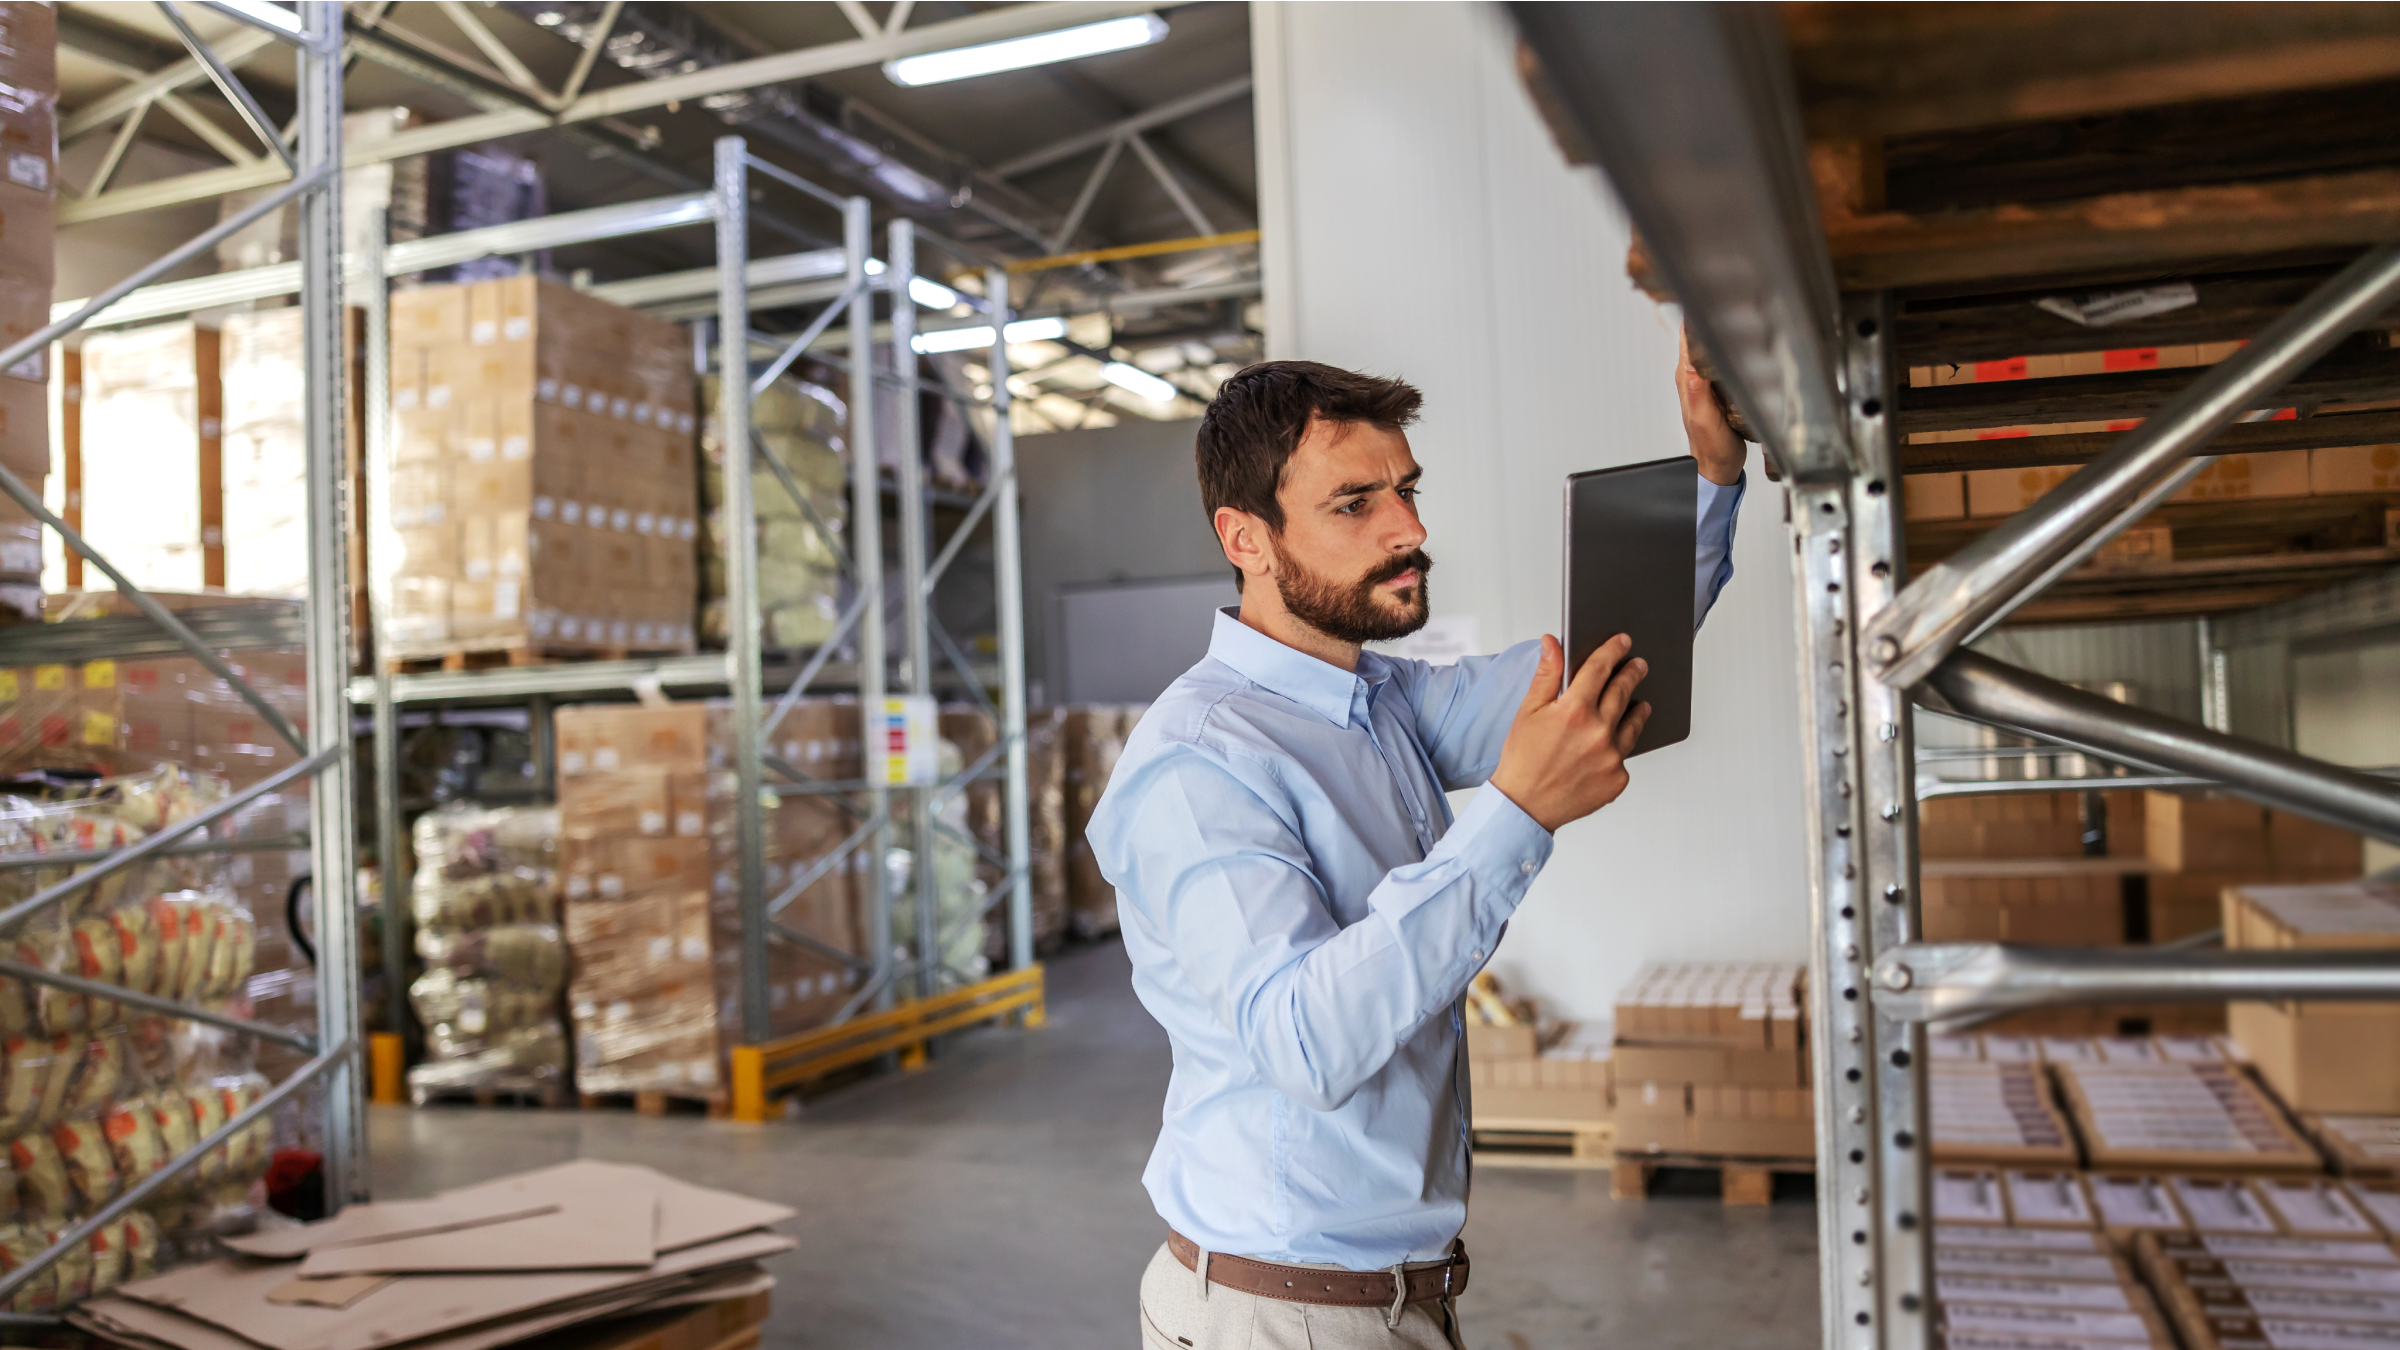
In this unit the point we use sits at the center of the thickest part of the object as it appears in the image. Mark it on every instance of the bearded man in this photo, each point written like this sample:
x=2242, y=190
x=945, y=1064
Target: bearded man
x=1302, y=912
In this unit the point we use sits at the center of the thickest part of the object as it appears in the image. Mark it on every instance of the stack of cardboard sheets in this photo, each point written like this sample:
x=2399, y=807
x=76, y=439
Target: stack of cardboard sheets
x=484, y=1266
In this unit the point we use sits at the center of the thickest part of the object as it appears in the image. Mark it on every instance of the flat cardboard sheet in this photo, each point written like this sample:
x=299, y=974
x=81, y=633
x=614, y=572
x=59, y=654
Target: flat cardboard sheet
x=594, y=1216
x=232, y=1295
x=388, y=1219
x=339, y=1292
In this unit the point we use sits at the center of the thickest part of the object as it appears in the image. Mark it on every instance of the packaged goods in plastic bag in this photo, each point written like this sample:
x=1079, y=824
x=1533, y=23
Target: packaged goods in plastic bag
x=486, y=900
x=801, y=422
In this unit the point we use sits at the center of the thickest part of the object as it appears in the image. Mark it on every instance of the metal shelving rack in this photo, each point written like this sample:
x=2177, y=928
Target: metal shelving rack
x=1691, y=111
x=312, y=184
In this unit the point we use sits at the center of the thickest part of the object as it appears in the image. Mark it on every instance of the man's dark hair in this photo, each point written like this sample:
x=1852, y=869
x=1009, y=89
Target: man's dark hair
x=1257, y=419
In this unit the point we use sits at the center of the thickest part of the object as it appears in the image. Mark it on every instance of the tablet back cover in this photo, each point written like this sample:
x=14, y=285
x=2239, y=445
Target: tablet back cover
x=1631, y=535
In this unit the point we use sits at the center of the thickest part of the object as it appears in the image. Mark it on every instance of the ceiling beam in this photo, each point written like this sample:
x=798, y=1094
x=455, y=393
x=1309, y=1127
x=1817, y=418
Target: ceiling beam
x=232, y=49
x=808, y=63
x=1173, y=110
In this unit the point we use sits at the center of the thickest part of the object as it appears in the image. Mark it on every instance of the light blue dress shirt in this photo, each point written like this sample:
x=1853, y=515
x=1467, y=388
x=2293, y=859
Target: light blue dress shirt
x=1303, y=916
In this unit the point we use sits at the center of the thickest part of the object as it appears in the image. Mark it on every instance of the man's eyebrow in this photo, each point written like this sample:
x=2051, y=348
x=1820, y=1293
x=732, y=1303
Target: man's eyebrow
x=1354, y=489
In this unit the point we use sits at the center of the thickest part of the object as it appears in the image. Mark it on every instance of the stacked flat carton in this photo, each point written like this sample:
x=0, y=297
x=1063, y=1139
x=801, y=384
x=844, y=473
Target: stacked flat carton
x=2251, y=1292
x=652, y=915
x=1092, y=737
x=1519, y=1080
x=2320, y=1057
x=152, y=454
x=542, y=495
x=1712, y=1059
x=1996, y=1107
x=2002, y=1286
x=2180, y=1115
x=28, y=180
x=567, y=1253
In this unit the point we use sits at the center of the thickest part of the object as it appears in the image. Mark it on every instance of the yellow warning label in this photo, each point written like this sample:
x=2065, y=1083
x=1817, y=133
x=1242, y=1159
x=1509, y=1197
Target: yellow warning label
x=8, y=686
x=99, y=674
x=49, y=678
x=99, y=728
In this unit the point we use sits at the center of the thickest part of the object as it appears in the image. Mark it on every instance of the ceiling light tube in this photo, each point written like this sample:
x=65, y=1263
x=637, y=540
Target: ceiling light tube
x=925, y=291
x=968, y=339
x=1138, y=382
x=1041, y=49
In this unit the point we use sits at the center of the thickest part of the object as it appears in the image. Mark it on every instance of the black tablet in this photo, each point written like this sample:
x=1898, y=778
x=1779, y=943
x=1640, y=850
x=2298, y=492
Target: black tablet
x=1631, y=536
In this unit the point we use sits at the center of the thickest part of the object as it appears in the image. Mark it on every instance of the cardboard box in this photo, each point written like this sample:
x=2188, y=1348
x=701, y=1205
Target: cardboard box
x=2138, y=549
x=2002, y=825
x=1710, y=1064
x=2206, y=834
x=2321, y=1057
x=1752, y=1122
x=1541, y=1088
x=1492, y=1043
x=1654, y=1118
x=2272, y=473
x=2354, y=468
x=2004, y=492
x=152, y=454
x=2070, y=909
x=1934, y=496
x=550, y=435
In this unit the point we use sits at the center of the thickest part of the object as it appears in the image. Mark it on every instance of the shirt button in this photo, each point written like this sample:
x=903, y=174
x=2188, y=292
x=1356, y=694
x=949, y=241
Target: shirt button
x=1478, y=955
x=1527, y=867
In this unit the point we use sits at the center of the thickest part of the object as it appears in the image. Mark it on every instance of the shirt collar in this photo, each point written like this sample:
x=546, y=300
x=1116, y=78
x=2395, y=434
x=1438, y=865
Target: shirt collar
x=1320, y=687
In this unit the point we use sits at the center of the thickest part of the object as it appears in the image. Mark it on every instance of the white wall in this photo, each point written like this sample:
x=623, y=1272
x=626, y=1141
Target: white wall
x=2346, y=709
x=1420, y=224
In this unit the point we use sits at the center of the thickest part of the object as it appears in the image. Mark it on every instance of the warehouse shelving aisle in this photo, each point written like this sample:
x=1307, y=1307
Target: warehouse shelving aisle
x=1749, y=145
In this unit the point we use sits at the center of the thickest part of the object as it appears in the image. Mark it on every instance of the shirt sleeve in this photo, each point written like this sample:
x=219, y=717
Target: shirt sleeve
x=1464, y=710
x=1718, y=508
x=1223, y=879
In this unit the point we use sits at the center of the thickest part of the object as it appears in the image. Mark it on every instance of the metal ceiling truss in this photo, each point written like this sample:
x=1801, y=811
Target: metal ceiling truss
x=324, y=748
x=1689, y=109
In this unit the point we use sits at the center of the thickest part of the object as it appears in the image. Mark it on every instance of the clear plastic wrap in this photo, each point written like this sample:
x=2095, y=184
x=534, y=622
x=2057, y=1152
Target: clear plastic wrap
x=486, y=902
x=799, y=575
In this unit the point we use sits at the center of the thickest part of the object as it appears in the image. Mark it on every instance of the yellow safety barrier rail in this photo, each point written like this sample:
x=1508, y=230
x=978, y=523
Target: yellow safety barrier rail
x=1100, y=255
x=760, y=1070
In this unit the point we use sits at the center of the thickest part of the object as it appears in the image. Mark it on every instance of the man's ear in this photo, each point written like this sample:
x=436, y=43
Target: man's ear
x=1246, y=541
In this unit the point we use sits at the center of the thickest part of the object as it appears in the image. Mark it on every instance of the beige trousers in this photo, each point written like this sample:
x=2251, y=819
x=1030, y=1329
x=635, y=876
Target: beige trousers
x=1178, y=1315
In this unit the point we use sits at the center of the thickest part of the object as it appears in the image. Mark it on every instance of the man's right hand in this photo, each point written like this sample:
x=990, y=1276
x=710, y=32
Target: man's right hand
x=1565, y=756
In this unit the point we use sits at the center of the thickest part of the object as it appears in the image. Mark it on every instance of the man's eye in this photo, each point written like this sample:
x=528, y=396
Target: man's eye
x=1350, y=508
x=1408, y=494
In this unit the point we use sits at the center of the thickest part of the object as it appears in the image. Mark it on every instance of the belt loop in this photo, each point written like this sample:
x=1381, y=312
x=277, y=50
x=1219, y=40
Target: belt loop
x=1200, y=1268
x=1391, y=1319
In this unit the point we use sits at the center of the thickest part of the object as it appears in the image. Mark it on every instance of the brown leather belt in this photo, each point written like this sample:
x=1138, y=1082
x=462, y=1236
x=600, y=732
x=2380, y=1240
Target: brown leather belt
x=1334, y=1288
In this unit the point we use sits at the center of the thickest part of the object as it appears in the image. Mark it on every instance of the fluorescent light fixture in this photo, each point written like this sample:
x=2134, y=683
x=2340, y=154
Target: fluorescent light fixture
x=1138, y=382
x=968, y=339
x=259, y=12
x=1065, y=44
x=924, y=290
x=931, y=294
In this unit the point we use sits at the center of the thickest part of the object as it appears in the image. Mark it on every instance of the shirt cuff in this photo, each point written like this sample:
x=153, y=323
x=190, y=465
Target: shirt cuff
x=1713, y=497
x=1498, y=841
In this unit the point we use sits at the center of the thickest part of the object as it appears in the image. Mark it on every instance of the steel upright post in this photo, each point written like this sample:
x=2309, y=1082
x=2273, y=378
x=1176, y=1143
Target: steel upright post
x=333, y=846
x=391, y=853
x=866, y=548
x=1008, y=577
x=742, y=621
x=900, y=269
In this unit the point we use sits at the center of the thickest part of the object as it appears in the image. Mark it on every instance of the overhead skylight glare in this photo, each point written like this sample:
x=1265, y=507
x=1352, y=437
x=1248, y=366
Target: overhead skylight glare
x=1041, y=49
x=1137, y=381
x=967, y=339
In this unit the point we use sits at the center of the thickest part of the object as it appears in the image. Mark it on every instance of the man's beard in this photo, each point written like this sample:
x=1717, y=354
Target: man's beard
x=1351, y=613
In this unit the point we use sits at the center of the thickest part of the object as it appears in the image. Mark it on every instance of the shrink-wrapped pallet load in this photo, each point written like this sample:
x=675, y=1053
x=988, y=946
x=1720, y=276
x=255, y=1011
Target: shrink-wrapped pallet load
x=485, y=899
x=802, y=423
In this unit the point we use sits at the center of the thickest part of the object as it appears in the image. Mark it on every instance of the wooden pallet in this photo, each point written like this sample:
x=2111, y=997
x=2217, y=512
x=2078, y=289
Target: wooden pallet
x=714, y=1106
x=1745, y=1181
x=1561, y=1145
x=547, y=1097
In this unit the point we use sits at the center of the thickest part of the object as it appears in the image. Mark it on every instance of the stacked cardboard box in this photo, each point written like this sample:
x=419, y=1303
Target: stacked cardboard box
x=2359, y=1146
x=543, y=494
x=649, y=873
x=1712, y=1059
x=2018, y=1265
x=28, y=180
x=1046, y=815
x=2180, y=1115
x=152, y=454
x=2200, y=846
x=1519, y=1080
x=1091, y=737
x=2320, y=1057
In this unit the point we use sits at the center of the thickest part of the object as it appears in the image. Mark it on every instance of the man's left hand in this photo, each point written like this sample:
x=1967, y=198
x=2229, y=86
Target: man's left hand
x=1720, y=452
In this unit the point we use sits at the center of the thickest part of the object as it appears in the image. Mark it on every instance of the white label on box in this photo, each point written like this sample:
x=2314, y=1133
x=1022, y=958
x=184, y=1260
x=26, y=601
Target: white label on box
x=438, y=396
x=213, y=536
x=604, y=759
x=571, y=513
x=620, y=1011
x=20, y=556
x=31, y=171
x=704, y=1072
x=618, y=407
x=404, y=400
x=694, y=949
x=662, y=949
x=570, y=628
x=689, y=822
x=542, y=623
x=504, y=600
x=641, y=414
x=2224, y=1208
x=570, y=761
x=478, y=568
x=517, y=327
x=483, y=331
x=620, y=519
x=645, y=522
x=572, y=396
x=211, y=429
x=546, y=391
x=434, y=512
x=641, y=634
x=516, y=447
x=596, y=516
x=579, y=886
x=481, y=449
x=511, y=565
x=654, y=822
x=722, y=884
x=687, y=529
x=611, y=885
x=544, y=508
x=683, y=423
x=616, y=633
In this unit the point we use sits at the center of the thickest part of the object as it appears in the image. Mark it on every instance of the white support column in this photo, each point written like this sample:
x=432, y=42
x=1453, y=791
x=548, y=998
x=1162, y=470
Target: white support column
x=1008, y=579
x=742, y=620
x=866, y=548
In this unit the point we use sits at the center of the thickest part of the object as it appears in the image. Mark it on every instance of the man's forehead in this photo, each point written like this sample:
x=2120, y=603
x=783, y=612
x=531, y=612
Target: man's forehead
x=1348, y=452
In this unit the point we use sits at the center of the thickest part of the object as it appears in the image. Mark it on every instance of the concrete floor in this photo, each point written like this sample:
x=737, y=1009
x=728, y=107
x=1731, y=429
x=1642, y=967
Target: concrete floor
x=995, y=1200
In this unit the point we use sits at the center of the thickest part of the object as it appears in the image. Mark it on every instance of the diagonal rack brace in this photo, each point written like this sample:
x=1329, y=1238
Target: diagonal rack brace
x=15, y=915
x=115, y=993
x=1954, y=599
x=1978, y=687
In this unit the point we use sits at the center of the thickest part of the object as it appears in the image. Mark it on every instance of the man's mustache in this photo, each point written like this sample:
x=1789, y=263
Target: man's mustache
x=1392, y=567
